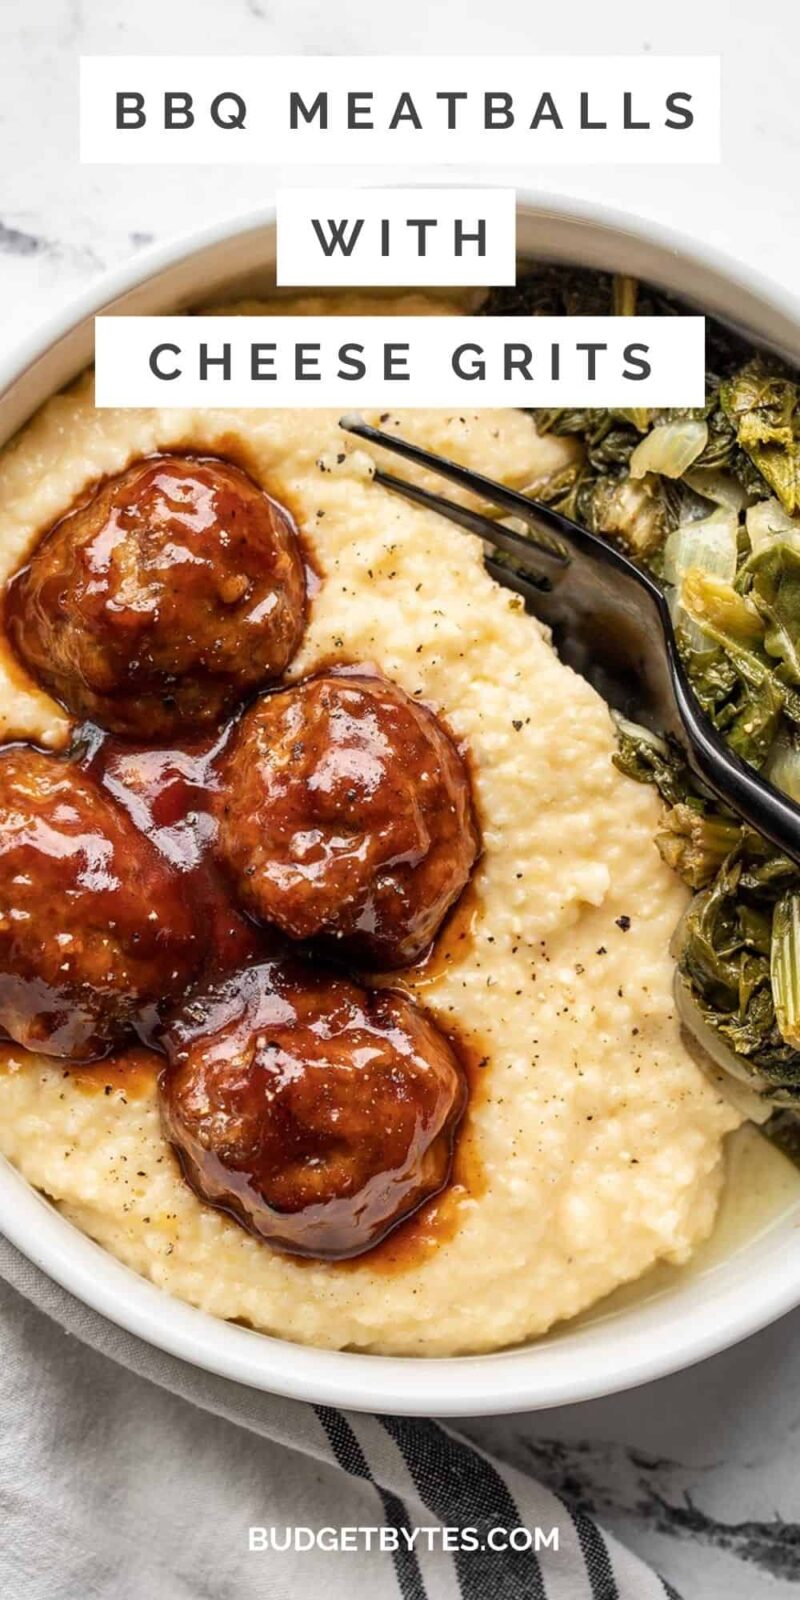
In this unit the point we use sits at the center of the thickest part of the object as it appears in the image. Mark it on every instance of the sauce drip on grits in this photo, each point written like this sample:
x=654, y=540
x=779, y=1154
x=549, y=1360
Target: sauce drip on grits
x=591, y=1147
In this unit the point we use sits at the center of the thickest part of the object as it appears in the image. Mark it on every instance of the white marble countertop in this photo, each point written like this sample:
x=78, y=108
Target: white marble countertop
x=698, y=1472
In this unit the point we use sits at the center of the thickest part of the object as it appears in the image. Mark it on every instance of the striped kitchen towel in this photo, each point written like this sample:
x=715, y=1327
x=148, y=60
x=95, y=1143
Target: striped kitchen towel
x=126, y=1473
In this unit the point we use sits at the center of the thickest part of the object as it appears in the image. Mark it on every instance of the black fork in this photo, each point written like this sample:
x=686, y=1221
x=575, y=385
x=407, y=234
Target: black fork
x=610, y=621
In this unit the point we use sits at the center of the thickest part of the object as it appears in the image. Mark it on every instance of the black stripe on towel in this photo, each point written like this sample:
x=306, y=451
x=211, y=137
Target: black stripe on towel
x=463, y=1489
x=351, y=1459
x=602, y=1583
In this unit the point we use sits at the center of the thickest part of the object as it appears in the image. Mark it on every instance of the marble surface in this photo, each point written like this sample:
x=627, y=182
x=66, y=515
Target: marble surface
x=699, y=1472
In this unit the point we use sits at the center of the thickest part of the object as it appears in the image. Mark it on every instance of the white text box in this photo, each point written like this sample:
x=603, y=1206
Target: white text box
x=396, y=237
x=356, y=110
x=408, y=361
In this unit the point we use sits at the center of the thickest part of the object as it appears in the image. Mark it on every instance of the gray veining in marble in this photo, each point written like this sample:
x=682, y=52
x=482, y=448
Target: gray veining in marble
x=699, y=1472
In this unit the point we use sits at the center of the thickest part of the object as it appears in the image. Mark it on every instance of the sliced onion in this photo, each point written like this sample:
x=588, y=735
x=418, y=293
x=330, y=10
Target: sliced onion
x=710, y=544
x=721, y=487
x=636, y=730
x=744, y=1089
x=767, y=521
x=669, y=448
x=782, y=767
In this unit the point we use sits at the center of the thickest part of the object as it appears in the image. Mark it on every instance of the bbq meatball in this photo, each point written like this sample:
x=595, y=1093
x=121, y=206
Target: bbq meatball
x=345, y=813
x=176, y=588
x=315, y=1112
x=94, y=926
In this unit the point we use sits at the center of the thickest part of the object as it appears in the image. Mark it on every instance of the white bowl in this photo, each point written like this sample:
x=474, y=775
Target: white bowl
x=701, y=1313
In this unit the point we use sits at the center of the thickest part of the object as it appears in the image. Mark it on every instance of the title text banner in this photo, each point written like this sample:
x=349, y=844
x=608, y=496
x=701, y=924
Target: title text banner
x=409, y=361
x=352, y=110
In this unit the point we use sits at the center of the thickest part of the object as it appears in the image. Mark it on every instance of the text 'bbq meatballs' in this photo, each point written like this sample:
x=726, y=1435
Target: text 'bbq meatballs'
x=316, y=1113
x=177, y=588
x=345, y=813
x=93, y=924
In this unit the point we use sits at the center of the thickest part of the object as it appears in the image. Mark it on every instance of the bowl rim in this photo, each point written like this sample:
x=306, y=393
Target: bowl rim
x=543, y=1373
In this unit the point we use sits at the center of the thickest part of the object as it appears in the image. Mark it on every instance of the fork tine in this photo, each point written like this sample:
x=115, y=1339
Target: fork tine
x=538, y=562
x=529, y=587
x=509, y=500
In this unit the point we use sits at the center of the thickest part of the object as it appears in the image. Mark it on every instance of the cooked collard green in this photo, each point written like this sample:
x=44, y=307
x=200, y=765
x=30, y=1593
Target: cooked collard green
x=709, y=500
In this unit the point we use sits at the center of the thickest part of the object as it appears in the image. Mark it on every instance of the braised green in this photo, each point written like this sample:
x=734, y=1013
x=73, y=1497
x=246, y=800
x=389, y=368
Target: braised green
x=709, y=500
